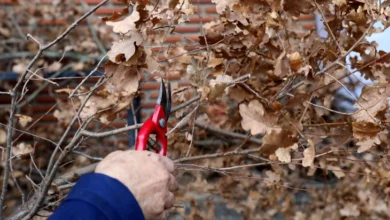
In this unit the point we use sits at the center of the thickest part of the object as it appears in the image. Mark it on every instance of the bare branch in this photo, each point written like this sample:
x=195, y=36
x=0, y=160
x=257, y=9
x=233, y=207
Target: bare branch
x=226, y=133
x=224, y=154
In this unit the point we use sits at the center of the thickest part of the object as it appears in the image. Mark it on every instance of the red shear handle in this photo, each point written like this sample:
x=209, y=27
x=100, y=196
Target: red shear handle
x=152, y=126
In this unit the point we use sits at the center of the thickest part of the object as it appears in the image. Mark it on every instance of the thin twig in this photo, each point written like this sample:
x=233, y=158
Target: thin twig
x=327, y=26
x=87, y=156
x=93, y=31
x=224, y=154
x=87, y=77
x=353, y=96
x=331, y=110
x=226, y=133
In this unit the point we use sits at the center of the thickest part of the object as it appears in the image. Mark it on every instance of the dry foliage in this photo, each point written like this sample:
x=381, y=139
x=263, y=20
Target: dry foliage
x=268, y=132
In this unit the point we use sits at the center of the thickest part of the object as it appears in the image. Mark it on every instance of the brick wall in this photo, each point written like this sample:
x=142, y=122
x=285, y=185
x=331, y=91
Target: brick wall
x=187, y=33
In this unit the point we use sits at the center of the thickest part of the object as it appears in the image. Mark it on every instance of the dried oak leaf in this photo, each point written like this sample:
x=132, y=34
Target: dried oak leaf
x=295, y=61
x=122, y=51
x=271, y=178
x=367, y=134
x=256, y=119
x=22, y=149
x=23, y=119
x=66, y=109
x=350, y=210
x=282, y=66
x=218, y=86
x=222, y=4
x=3, y=136
x=117, y=94
x=278, y=139
x=308, y=155
x=126, y=25
x=283, y=154
x=374, y=99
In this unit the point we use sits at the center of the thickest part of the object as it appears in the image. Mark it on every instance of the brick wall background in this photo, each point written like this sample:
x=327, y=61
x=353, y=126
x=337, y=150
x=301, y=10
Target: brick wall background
x=42, y=106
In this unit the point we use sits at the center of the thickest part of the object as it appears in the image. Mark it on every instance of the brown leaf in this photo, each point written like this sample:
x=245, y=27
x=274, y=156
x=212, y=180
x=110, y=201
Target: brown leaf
x=283, y=154
x=117, y=94
x=22, y=149
x=365, y=130
x=3, y=136
x=123, y=50
x=366, y=144
x=256, y=119
x=295, y=61
x=126, y=25
x=282, y=66
x=23, y=119
x=222, y=4
x=308, y=155
x=278, y=139
x=373, y=98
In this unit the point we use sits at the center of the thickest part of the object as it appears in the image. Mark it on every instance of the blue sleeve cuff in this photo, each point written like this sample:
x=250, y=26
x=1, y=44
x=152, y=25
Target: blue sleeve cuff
x=107, y=195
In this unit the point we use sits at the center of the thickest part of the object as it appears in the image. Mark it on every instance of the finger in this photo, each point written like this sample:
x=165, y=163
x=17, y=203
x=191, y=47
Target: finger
x=164, y=161
x=162, y=216
x=172, y=183
x=168, y=163
x=169, y=200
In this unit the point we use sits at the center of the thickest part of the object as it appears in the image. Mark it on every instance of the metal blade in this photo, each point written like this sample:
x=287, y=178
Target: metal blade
x=162, y=96
x=165, y=99
x=169, y=100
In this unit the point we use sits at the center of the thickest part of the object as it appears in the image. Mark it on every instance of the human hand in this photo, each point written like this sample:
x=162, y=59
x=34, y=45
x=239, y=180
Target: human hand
x=148, y=176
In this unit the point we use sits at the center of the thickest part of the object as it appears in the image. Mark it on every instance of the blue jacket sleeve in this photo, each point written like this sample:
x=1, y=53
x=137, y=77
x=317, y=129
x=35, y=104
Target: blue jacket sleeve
x=97, y=196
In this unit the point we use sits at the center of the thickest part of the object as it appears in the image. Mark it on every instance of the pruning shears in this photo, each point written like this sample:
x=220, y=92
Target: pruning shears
x=157, y=123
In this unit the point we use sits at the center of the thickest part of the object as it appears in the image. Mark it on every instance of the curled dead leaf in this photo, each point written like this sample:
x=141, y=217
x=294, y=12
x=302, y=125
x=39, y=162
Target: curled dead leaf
x=122, y=51
x=23, y=119
x=126, y=25
x=256, y=119
x=3, y=136
x=221, y=5
x=374, y=99
x=367, y=134
x=295, y=61
x=308, y=156
x=22, y=150
x=283, y=154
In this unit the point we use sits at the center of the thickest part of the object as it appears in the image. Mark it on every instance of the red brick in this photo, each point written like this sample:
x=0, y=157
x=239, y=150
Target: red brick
x=173, y=76
x=53, y=22
x=183, y=84
x=107, y=11
x=211, y=10
x=90, y=2
x=149, y=86
x=47, y=118
x=38, y=108
x=309, y=26
x=192, y=38
x=201, y=2
x=186, y=29
x=172, y=39
x=148, y=105
x=119, y=124
x=153, y=95
x=160, y=58
x=191, y=47
x=157, y=49
x=201, y=19
x=306, y=17
x=6, y=2
x=45, y=99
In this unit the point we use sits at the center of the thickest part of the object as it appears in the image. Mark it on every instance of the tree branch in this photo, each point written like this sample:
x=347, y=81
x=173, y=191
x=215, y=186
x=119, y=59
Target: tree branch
x=226, y=133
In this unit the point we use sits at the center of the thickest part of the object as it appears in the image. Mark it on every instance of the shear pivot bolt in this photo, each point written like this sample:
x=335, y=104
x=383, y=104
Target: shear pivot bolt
x=162, y=123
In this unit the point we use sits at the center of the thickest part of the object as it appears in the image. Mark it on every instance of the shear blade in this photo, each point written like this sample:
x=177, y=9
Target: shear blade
x=165, y=100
